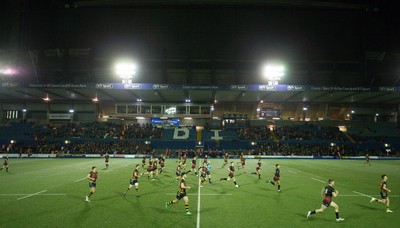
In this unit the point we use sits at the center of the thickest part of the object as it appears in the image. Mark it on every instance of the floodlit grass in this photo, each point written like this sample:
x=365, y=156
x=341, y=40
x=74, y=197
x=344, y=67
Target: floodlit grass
x=60, y=189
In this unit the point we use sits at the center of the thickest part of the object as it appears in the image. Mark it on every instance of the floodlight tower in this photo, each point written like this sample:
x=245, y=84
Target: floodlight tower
x=273, y=73
x=126, y=71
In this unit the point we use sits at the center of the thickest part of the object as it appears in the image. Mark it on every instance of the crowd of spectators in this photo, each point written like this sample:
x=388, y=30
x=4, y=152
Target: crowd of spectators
x=95, y=138
x=98, y=130
x=254, y=133
x=292, y=132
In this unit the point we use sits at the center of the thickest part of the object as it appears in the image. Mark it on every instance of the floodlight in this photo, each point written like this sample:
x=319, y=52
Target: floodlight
x=71, y=111
x=46, y=99
x=24, y=110
x=273, y=72
x=125, y=70
x=305, y=108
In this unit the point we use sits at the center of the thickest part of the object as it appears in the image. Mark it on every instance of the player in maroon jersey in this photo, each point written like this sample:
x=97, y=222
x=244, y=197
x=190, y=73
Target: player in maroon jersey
x=258, y=169
x=178, y=172
x=107, y=160
x=181, y=194
x=231, y=174
x=5, y=163
x=277, y=177
x=144, y=162
x=134, y=181
x=327, y=193
x=384, y=193
x=92, y=177
x=203, y=173
x=225, y=160
x=194, y=163
x=162, y=164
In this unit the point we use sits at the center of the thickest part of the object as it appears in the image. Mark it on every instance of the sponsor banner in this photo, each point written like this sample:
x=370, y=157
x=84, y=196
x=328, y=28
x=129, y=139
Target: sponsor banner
x=92, y=156
x=60, y=116
x=165, y=86
x=119, y=155
x=51, y=85
x=43, y=156
x=283, y=157
x=343, y=89
x=130, y=156
x=10, y=156
x=10, y=84
x=72, y=156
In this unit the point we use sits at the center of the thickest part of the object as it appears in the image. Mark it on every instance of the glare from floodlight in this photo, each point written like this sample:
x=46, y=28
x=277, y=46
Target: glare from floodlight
x=138, y=100
x=125, y=70
x=46, y=99
x=352, y=111
x=187, y=100
x=305, y=108
x=71, y=111
x=24, y=110
x=273, y=73
x=8, y=71
x=376, y=114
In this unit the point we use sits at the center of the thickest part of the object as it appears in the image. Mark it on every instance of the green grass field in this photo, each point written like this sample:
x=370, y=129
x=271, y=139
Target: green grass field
x=51, y=192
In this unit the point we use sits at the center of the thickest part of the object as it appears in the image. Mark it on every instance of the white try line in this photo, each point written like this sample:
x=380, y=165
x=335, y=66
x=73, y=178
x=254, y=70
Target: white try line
x=292, y=171
x=80, y=179
x=318, y=180
x=34, y=194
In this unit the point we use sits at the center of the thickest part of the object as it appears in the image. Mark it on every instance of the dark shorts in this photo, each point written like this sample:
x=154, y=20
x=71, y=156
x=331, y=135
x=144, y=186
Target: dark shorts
x=133, y=181
x=384, y=195
x=193, y=166
x=180, y=195
x=231, y=175
x=208, y=172
x=276, y=178
x=92, y=184
x=203, y=175
x=326, y=202
x=243, y=163
x=258, y=169
x=149, y=169
x=178, y=174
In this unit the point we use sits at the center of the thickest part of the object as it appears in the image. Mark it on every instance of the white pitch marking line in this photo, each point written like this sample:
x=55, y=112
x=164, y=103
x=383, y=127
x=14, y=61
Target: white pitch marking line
x=198, y=204
x=80, y=179
x=171, y=194
x=394, y=196
x=52, y=194
x=362, y=194
x=34, y=194
x=292, y=171
x=108, y=171
x=318, y=180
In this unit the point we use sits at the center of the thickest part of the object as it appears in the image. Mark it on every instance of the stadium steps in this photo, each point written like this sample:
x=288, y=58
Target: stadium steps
x=274, y=136
x=349, y=137
x=198, y=135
